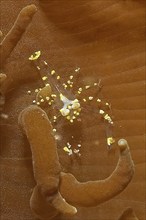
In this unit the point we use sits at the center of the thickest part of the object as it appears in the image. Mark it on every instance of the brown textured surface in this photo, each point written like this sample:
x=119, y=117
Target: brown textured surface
x=105, y=39
x=128, y=214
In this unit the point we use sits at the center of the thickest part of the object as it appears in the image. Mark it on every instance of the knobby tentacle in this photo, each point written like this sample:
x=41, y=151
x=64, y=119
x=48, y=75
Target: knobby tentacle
x=93, y=193
x=47, y=170
x=128, y=214
x=14, y=35
x=46, y=200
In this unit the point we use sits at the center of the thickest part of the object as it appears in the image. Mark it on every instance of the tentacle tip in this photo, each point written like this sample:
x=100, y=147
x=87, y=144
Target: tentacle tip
x=60, y=204
x=123, y=144
x=31, y=9
x=25, y=112
x=74, y=211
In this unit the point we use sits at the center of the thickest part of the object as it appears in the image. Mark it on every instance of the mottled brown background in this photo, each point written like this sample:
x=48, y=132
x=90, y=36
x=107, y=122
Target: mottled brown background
x=105, y=38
